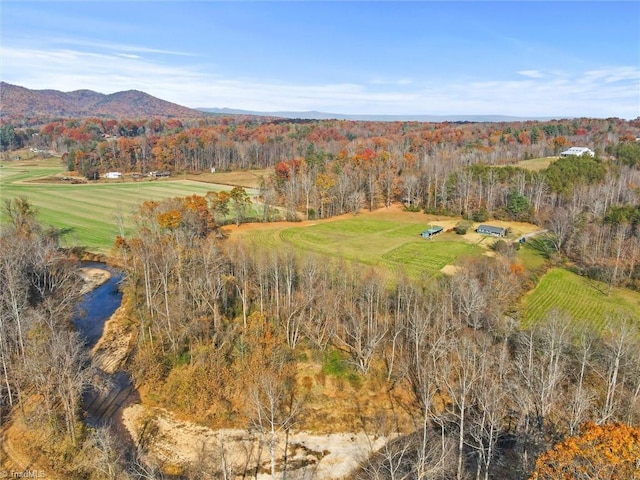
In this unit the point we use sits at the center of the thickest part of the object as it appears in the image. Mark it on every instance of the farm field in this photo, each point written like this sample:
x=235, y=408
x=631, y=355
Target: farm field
x=93, y=213
x=585, y=300
x=386, y=239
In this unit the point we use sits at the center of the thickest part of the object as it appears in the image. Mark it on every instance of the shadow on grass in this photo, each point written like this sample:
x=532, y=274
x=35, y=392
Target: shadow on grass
x=544, y=245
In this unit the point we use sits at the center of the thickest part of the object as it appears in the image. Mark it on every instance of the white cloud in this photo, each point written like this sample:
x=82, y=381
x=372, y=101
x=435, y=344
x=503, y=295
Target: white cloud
x=123, y=47
x=128, y=55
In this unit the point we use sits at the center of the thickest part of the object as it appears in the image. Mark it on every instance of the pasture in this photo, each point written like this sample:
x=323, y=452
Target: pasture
x=92, y=213
x=584, y=299
x=386, y=240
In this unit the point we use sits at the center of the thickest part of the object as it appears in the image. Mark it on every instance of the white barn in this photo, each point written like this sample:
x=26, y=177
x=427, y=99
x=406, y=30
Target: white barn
x=578, y=152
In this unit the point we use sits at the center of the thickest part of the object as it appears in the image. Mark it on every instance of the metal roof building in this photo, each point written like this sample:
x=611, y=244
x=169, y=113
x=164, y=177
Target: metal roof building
x=577, y=151
x=491, y=230
x=431, y=231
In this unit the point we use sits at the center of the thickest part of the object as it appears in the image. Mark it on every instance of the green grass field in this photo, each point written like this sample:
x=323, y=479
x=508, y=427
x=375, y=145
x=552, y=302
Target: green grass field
x=585, y=300
x=393, y=246
x=90, y=212
x=535, y=164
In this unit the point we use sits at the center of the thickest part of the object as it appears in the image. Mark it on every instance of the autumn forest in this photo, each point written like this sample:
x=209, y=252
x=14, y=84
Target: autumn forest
x=445, y=373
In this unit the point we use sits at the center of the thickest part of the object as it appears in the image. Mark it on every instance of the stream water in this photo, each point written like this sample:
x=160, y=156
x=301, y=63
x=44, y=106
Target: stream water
x=97, y=306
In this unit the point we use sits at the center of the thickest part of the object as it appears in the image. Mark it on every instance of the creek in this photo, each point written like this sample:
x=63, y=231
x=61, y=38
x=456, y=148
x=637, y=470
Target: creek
x=97, y=306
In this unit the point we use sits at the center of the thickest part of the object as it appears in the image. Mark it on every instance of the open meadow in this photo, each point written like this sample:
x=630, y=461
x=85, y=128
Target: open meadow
x=240, y=178
x=387, y=239
x=93, y=213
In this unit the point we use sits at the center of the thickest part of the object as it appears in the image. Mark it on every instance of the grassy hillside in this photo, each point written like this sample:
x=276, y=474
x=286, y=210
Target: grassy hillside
x=585, y=300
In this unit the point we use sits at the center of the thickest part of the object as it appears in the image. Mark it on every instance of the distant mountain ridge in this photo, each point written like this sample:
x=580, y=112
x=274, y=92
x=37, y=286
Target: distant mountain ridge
x=21, y=102
x=16, y=101
x=315, y=115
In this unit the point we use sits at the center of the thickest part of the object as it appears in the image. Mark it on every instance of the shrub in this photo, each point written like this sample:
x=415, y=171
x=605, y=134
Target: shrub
x=503, y=248
x=462, y=227
x=480, y=215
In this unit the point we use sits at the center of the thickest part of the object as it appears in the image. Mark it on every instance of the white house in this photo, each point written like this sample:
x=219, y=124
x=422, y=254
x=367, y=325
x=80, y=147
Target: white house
x=113, y=175
x=578, y=152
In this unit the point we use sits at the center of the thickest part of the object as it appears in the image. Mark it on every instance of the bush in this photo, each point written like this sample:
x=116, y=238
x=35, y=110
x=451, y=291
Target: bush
x=462, y=227
x=92, y=175
x=412, y=208
x=480, y=215
x=503, y=248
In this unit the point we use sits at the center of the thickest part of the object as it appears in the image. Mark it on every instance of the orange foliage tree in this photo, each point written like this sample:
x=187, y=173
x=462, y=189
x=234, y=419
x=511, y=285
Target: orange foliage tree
x=610, y=451
x=170, y=219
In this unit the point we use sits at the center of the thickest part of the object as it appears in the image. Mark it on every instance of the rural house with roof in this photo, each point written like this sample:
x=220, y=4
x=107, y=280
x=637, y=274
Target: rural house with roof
x=491, y=230
x=431, y=231
x=577, y=152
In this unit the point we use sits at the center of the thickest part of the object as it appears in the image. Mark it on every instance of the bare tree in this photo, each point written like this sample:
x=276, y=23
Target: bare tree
x=470, y=298
x=620, y=343
x=582, y=397
x=275, y=411
x=364, y=326
x=561, y=226
x=110, y=459
x=541, y=361
x=491, y=404
x=459, y=378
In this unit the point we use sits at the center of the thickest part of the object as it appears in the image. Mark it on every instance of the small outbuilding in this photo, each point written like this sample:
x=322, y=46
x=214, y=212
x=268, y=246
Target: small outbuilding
x=578, y=152
x=491, y=230
x=159, y=174
x=113, y=175
x=431, y=231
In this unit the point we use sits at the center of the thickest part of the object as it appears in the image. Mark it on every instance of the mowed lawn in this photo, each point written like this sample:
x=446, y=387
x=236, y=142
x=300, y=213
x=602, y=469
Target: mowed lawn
x=585, y=300
x=93, y=213
x=392, y=243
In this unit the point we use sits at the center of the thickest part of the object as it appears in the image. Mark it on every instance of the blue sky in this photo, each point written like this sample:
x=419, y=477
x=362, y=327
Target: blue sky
x=542, y=58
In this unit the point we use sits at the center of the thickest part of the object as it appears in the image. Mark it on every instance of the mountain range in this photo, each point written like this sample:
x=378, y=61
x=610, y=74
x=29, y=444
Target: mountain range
x=21, y=102
x=16, y=101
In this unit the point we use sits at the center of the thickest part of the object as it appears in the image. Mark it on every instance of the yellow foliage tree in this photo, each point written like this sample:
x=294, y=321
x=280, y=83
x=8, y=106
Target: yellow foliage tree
x=610, y=451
